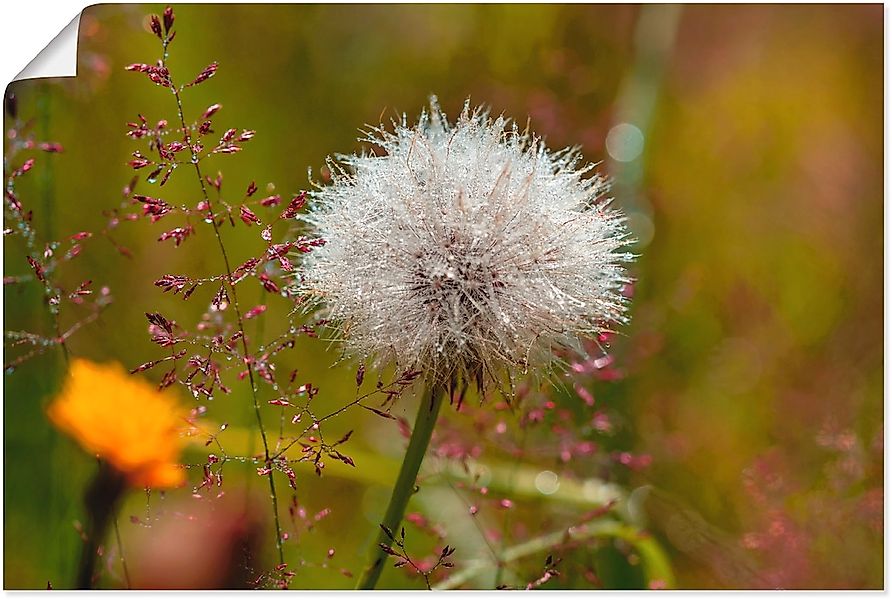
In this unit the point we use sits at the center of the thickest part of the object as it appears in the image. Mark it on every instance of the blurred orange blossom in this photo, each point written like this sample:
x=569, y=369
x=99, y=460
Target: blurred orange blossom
x=123, y=420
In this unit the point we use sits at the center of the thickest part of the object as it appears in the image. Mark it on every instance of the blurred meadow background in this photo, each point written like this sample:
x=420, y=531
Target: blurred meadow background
x=745, y=144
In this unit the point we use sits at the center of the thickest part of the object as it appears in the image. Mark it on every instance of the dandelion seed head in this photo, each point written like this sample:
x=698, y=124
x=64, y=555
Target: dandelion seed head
x=465, y=250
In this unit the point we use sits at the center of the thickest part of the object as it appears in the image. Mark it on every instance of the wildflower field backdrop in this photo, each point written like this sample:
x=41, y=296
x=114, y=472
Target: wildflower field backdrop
x=730, y=435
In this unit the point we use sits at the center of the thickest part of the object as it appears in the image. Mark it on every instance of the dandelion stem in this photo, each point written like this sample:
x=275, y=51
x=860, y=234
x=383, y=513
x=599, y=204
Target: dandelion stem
x=405, y=482
x=239, y=319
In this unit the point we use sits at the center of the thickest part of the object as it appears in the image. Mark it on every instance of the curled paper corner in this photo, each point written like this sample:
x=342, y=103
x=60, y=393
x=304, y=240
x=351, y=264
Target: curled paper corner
x=58, y=58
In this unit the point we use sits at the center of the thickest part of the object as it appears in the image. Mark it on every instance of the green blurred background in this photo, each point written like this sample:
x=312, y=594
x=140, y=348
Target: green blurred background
x=754, y=359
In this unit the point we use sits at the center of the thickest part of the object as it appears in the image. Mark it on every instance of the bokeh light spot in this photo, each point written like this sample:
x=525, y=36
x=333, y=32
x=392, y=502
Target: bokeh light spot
x=641, y=227
x=625, y=142
x=547, y=482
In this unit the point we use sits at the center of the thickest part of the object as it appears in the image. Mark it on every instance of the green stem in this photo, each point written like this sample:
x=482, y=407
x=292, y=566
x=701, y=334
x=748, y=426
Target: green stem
x=405, y=482
x=654, y=561
x=101, y=501
x=121, y=552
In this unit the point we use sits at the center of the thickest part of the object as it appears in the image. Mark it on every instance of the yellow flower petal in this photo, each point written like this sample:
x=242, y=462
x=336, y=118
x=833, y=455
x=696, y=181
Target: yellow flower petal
x=123, y=420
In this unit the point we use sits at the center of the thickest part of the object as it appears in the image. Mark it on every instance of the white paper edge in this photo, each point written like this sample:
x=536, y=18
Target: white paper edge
x=58, y=58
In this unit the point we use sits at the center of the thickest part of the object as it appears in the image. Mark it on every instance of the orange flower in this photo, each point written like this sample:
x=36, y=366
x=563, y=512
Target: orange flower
x=123, y=420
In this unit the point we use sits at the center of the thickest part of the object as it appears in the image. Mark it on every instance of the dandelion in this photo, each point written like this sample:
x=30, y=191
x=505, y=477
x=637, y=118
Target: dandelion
x=465, y=251
x=122, y=420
